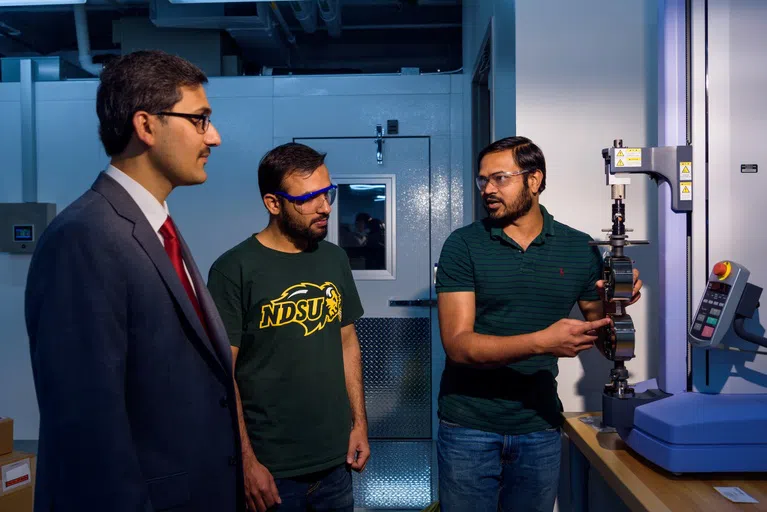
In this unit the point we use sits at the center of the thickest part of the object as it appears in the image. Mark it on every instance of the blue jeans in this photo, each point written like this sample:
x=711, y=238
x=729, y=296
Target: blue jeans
x=323, y=491
x=482, y=471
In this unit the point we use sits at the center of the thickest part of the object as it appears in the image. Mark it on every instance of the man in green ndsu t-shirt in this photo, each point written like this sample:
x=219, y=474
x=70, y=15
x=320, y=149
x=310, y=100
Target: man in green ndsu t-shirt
x=289, y=303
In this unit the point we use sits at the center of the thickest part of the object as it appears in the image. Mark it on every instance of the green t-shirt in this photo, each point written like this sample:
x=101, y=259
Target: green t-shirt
x=516, y=292
x=285, y=312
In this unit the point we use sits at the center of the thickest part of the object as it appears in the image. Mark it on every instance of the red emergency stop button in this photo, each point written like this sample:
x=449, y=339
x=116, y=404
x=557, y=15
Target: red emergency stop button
x=722, y=269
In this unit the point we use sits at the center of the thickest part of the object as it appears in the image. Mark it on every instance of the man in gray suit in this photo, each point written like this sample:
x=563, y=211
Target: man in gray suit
x=131, y=361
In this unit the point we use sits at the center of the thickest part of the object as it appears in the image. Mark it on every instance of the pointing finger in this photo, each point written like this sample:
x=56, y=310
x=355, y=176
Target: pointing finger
x=596, y=324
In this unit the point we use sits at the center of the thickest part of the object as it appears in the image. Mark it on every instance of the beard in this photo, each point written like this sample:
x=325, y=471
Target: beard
x=302, y=233
x=510, y=213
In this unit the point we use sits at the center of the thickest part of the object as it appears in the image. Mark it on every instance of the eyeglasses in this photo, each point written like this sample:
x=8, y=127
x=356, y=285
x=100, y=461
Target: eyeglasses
x=313, y=201
x=201, y=121
x=499, y=179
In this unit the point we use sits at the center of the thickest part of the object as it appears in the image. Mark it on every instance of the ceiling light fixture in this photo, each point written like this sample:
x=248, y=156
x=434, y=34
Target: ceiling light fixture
x=36, y=3
x=217, y=1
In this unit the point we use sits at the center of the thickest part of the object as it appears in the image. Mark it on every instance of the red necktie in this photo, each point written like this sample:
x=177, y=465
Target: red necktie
x=173, y=248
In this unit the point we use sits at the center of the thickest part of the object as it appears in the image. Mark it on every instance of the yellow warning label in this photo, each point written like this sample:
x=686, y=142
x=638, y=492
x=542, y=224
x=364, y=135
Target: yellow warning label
x=685, y=171
x=685, y=190
x=629, y=157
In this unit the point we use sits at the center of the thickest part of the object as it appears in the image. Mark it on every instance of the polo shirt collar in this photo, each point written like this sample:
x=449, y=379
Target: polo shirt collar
x=549, y=229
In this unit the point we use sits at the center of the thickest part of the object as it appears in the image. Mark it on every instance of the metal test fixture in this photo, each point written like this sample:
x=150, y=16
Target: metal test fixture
x=688, y=431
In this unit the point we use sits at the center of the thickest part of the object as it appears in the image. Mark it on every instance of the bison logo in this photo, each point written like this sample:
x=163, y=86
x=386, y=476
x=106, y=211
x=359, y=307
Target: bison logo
x=310, y=305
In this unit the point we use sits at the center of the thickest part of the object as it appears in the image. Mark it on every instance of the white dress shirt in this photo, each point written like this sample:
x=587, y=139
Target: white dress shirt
x=154, y=212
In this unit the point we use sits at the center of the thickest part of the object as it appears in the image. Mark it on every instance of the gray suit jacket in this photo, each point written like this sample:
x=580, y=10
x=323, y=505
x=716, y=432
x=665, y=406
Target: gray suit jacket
x=137, y=408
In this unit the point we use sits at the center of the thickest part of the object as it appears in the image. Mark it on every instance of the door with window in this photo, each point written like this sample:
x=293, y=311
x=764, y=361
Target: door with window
x=381, y=218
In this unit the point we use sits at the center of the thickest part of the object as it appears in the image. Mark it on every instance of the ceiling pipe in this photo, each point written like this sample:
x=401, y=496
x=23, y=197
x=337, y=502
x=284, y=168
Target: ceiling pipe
x=281, y=20
x=28, y=131
x=83, y=42
x=330, y=12
x=392, y=26
x=306, y=14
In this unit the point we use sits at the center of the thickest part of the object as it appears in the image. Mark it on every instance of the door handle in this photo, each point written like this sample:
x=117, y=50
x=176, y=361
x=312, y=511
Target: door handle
x=423, y=303
x=379, y=144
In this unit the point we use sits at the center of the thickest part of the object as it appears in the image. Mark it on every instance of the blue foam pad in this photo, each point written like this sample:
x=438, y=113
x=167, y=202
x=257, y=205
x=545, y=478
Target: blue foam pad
x=706, y=419
x=699, y=458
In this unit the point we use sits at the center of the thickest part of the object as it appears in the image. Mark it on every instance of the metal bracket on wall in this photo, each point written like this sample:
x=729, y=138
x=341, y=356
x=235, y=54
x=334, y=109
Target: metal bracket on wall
x=379, y=144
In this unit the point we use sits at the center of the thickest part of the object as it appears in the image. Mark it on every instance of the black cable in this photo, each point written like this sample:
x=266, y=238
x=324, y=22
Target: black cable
x=740, y=330
x=736, y=349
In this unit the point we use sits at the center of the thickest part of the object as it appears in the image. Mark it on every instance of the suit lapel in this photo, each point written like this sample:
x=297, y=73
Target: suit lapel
x=216, y=327
x=149, y=241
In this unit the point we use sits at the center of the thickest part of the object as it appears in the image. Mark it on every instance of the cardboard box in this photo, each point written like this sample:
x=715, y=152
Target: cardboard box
x=17, y=481
x=19, y=501
x=6, y=436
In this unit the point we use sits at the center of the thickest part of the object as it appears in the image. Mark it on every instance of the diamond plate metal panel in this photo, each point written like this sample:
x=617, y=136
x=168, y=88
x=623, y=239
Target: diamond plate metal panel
x=398, y=476
x=396, y=358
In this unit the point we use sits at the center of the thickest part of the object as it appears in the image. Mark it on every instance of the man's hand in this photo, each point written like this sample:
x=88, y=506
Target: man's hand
x=568, y=337
x=636, y=291
x=260, y=490
x=359, y=449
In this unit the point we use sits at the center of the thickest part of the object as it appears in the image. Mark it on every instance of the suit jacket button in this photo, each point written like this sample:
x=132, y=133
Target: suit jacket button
x=232, y=460
x=224, y=403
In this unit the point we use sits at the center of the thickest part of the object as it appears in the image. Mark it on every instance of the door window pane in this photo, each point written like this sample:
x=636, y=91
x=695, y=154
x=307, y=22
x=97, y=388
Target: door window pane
x=361, y=224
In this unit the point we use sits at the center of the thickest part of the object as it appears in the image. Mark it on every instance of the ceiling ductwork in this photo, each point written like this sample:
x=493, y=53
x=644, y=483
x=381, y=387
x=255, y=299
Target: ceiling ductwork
x=254, y=31
x=212, y=16
x=236, y=37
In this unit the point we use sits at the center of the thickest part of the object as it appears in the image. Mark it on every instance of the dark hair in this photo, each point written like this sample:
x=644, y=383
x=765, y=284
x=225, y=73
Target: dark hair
x=142, y=80
x=283, y=160
x=526, y=155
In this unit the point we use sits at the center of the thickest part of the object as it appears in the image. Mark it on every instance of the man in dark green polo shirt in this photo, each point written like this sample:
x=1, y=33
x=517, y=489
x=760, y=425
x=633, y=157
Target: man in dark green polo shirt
x=506, y=285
